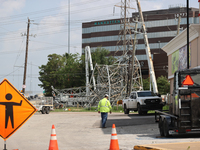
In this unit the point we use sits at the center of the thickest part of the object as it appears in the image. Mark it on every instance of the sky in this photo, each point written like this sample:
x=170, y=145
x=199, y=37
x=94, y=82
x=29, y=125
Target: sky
x=49, y=31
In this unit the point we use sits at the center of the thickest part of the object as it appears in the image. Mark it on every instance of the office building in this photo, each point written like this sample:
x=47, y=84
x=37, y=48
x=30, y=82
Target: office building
x=161, y=25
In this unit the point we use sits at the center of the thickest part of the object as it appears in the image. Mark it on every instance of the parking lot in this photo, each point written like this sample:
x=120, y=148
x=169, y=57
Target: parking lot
x=81, y=130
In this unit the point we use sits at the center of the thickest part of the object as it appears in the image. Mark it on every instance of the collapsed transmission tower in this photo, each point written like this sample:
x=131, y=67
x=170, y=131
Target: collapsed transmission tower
x=118, y=79
x=126, y=46
x=125, y=41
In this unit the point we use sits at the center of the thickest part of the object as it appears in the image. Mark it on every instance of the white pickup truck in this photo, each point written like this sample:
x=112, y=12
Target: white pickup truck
x=142, y=101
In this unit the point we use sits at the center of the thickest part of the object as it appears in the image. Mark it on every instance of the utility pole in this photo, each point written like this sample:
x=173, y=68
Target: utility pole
x=26, y=57
x=68, y=26
x=124, y=33
x=178, y=26
x=133, y=55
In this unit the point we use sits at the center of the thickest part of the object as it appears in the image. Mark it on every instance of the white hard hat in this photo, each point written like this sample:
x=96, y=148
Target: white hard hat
x=106, y=95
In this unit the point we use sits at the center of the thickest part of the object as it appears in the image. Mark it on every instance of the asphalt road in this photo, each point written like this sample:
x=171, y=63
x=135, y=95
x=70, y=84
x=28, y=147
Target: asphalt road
x=81, y=131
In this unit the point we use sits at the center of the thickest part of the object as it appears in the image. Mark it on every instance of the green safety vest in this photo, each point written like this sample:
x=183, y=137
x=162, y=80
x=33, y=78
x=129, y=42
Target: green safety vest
x=104, y=105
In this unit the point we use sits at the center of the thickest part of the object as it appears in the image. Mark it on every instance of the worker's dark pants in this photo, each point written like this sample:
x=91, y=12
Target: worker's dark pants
x=104, y=119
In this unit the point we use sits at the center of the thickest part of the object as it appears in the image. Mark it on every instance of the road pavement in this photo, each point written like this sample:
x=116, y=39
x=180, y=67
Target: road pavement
x=81, y=130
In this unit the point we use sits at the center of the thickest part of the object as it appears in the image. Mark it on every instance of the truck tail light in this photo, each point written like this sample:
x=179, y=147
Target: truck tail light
x=188, y=130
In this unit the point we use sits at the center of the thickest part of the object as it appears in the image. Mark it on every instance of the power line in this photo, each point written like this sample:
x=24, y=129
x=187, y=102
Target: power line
x=41, y=49
x=46, y=10
x=57, y=15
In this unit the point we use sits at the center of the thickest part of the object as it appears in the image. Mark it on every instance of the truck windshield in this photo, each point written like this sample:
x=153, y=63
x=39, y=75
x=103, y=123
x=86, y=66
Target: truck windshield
x=145, y=94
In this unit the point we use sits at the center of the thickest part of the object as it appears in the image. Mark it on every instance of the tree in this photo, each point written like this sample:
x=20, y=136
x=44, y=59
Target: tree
x=72, y=71
x=68, y=70
x=146, y=84
x=60, y=72
x=100, y=56
x=48, y=73
x=163, y=85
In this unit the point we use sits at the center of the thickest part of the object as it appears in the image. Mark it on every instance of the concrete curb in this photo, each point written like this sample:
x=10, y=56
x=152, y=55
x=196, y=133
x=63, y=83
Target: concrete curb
x=140, y=147
x=169, y=146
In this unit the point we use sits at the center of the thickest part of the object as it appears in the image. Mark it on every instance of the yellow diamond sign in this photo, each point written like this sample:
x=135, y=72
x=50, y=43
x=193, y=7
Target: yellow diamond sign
x=15, y=109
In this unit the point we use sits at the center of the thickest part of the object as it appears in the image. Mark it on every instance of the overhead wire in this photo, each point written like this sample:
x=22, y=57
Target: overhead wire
x=20, y=51
x=42, y=48
x=46, y=10
x=60, y=14
x=20, y=21
x=43, y=33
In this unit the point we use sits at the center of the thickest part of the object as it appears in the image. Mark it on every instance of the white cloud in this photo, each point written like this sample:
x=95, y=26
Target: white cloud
x=7, y=7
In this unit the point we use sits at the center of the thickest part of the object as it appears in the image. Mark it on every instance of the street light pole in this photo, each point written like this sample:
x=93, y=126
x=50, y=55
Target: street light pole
x=188, y=65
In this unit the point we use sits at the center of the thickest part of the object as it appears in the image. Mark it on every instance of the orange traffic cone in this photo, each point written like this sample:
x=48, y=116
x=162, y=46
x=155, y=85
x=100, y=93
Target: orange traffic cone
x=114, y=141
x=53, y=145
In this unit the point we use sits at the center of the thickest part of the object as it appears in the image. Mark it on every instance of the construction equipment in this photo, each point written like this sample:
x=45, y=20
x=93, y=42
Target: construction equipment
x=148, y=52
x=43, y=104
x=184, y=112
x=69, y=97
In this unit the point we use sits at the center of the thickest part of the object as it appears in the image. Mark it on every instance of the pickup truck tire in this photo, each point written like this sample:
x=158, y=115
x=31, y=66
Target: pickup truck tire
x=43, y=110
x=166, y=128
x=144, y=112
x=160, y=126
x=139, y=109
x=126, y=111
x=47, y=110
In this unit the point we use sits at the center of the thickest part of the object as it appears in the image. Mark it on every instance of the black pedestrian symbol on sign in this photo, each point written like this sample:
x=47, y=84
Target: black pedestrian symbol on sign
x=9, y=109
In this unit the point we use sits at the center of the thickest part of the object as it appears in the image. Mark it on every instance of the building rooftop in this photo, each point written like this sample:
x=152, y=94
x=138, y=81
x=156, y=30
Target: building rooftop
x=171, y=10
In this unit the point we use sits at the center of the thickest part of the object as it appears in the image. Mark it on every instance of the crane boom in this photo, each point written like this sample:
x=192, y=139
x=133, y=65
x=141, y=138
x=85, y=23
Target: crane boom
x=148, y=52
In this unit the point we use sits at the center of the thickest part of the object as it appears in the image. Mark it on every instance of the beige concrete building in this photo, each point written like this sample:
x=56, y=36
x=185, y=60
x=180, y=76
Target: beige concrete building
x=176, y=51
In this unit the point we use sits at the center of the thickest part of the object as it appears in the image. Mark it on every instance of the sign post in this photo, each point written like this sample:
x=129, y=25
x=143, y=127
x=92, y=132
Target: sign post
x=4, y=145
x=15, y=110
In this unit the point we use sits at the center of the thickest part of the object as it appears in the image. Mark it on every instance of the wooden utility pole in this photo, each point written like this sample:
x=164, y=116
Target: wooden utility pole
x=26, y=57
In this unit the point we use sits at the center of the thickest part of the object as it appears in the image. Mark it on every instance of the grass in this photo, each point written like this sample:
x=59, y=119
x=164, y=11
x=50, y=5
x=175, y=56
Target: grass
x=165, y=108
x=80, y=109
x=118, y=109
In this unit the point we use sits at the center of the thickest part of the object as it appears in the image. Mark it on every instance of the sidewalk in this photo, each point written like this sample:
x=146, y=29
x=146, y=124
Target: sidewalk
x=170, y=146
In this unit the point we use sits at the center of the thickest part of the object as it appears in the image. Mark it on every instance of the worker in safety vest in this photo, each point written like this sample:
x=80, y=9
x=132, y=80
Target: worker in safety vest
x=104, y=107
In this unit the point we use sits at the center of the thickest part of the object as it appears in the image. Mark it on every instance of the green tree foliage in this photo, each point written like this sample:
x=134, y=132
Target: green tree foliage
x=61, y=72
x=68, y=70
x=162, y=84
x=146, y=84
x=99, y=56
x=48, y=72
